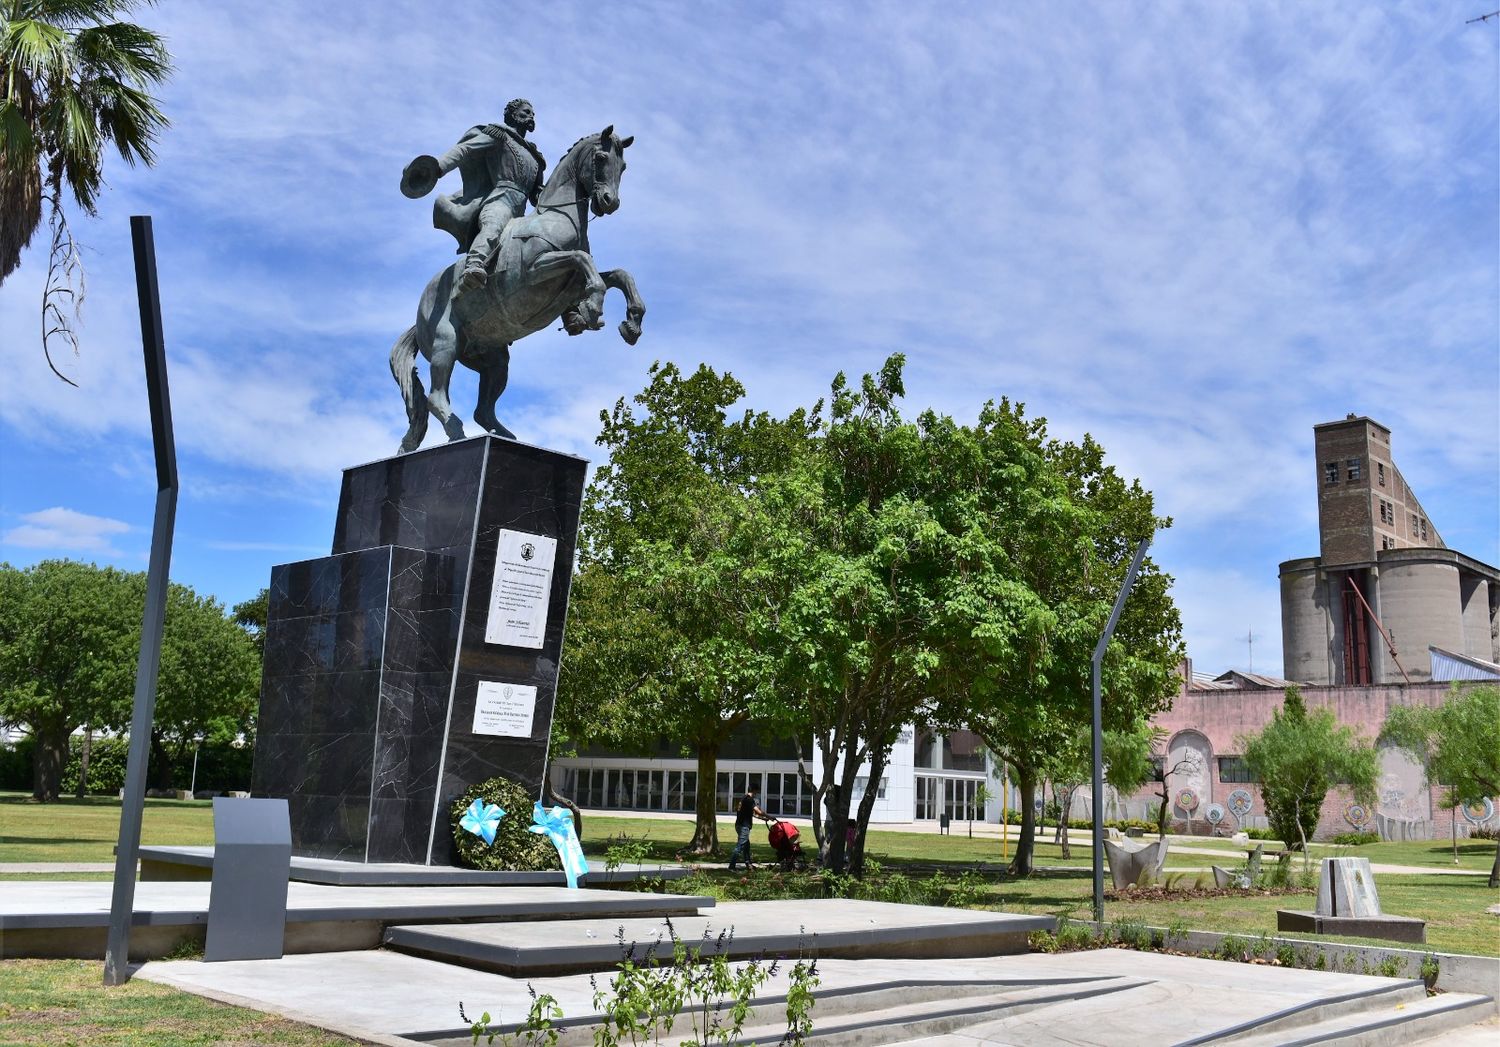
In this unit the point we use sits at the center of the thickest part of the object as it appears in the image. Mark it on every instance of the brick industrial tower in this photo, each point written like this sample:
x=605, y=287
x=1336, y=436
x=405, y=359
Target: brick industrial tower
x=1384, y=580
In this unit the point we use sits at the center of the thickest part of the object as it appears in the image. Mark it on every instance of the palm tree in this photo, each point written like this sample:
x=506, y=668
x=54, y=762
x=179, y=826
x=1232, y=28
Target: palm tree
x=75, y=80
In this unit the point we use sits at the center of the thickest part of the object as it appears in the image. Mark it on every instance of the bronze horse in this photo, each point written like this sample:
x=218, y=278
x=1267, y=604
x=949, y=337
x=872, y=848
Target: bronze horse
x=543, y=271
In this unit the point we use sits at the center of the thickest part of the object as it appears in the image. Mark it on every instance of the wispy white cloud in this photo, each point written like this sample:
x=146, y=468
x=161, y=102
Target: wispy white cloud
x=59, y=529
x=1192, y=230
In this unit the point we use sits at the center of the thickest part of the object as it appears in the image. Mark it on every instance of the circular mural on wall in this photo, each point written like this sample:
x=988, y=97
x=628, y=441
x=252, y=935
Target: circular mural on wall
x=1240, y=802
x=1479, y=812
x=1187, y=799
x=1357, y=815
x=1214, y=813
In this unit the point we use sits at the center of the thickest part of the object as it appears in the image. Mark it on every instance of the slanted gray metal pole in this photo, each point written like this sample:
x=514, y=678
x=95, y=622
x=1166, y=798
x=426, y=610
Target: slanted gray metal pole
x=1098, y=804
x=122, y=905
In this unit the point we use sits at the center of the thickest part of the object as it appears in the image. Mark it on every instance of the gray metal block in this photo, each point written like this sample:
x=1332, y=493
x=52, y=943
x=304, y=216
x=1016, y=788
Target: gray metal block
x=252, y=865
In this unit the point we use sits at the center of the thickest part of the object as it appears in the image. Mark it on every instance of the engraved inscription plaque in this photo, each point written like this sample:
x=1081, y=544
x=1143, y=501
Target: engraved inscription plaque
x=504, y=710
x=521, y=590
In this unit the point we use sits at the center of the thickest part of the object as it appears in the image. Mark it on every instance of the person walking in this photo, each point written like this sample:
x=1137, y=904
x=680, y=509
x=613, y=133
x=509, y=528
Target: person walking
x=744, y=818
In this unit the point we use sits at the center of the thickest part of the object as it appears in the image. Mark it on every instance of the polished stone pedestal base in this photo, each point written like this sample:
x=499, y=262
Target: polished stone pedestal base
x=375, y=655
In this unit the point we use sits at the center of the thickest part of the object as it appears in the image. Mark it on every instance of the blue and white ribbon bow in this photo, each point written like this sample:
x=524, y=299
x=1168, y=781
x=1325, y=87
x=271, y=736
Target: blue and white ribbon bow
x=557, y=825
x=482, y=819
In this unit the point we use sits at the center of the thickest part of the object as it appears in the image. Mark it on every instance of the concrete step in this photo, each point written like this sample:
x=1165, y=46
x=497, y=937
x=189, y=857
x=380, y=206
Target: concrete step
x=888, y=1021
x=874, y=1013
x=1384, y=1022
x=1360, y=1001
x=739, y=930
x=61, y=918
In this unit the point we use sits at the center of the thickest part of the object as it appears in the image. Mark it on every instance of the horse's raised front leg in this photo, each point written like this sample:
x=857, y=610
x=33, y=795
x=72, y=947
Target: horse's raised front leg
x=588, y=314
x=445, y=350
x=494, y=373
x=635, y=309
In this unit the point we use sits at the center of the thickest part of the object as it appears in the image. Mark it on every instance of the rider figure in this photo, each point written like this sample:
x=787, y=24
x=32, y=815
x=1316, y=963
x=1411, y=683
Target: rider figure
x=501, y=172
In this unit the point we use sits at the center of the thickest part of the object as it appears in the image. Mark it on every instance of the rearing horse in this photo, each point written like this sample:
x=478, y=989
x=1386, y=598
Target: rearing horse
x=542, y=271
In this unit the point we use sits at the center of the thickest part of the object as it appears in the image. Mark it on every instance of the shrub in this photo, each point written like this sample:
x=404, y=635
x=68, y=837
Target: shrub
x=1356, y=839
x=15, y=765
x=107, y=759
x=1262, y=834
x=515, y=847
x=1484, y=832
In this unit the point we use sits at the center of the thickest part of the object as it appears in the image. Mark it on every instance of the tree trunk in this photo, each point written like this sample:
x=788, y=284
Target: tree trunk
x=705, y=839
x=158, y=764
x=49, y=757
x=1495, y=869
x=1064, y=816
x=1022, y=864
x=838, y=828
x=862, y=820
x=83, y=762
x=1161, y=811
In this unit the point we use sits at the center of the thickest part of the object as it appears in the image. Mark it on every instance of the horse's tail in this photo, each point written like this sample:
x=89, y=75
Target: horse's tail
x=404, y=370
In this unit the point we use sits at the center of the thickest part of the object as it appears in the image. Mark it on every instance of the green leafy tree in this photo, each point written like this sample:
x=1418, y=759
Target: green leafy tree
x=1301, y=755
x=868, y=544
x=75, y=80
x=657, y=643
x=1062, y=527
x=208, y=684
x=251, y=615
x=69, y=638
x=1460, y=743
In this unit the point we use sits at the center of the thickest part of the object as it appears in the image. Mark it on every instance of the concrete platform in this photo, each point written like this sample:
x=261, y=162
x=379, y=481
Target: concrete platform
x=196, y=863
x=824, y=927
x=1390, y=928
x=68, y=918
x=1099, y=997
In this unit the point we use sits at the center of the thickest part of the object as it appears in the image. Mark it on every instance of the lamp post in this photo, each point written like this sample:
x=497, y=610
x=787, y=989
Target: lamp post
x=1098, y=754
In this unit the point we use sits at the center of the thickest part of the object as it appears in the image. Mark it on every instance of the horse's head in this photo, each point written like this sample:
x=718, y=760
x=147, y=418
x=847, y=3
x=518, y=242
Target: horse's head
x=601, y=175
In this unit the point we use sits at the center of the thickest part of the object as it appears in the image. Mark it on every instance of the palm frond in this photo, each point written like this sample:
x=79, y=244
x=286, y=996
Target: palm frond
x=122, y=51
x=37, y=48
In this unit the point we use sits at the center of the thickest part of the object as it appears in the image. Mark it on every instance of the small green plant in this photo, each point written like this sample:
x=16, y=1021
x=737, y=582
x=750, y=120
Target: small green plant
x=1176, y=936
x=626, y=851
x=1390, y=967
x=1286, y=955
x=1041, y=941
x=1130, y=933
x=1072, y=935
x=536, y=1031
x=1356, y=839
x=968, y=891
x=1429, y=970
x=1233, y=947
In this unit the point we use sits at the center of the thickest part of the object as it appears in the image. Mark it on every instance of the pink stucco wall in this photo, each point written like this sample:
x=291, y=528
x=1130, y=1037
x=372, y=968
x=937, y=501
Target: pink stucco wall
x=1224, y=717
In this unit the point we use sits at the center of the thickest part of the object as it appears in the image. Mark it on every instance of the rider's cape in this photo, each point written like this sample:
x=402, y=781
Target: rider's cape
x=489, y=158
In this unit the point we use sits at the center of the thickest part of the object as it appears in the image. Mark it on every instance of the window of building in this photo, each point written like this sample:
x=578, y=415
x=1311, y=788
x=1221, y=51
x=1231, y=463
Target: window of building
x=1234, y=769
x=1353, y=464
x=1414, y=531
x=1380, y=473
x=1424, y=529
x=1385, y=512
x=1330, y=472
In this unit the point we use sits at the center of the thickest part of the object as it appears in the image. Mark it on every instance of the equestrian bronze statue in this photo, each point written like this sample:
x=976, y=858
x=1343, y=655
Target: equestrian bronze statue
x=518, y=273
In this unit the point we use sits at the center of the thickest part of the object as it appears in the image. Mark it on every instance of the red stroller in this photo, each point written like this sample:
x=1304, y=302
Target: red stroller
x=784, y=841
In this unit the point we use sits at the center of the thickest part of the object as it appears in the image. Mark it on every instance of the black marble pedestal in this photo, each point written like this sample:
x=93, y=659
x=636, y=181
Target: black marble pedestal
x=376, y=656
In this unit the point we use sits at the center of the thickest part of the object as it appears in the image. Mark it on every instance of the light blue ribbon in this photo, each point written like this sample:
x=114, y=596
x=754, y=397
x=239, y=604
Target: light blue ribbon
x=482, y=819
x=557, y=826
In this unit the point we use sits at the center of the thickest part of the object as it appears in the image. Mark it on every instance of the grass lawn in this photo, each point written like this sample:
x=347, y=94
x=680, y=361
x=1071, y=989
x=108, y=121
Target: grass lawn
x=64, y=1002
x=1453, y=907
x=85, y=830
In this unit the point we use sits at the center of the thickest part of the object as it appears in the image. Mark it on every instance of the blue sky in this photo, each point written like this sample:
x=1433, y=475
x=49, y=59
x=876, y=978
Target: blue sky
x=1193, y=230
